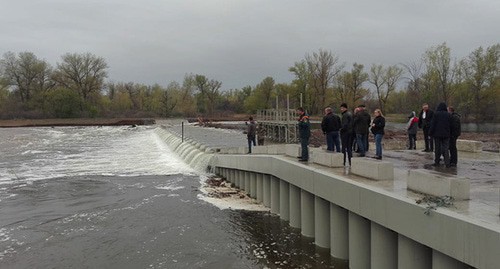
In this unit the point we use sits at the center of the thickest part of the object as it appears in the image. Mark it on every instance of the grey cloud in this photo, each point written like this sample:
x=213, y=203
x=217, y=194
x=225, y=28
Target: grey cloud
x=241, y=42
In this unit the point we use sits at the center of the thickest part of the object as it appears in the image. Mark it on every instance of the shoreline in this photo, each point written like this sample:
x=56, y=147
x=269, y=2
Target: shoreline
x=75, y=122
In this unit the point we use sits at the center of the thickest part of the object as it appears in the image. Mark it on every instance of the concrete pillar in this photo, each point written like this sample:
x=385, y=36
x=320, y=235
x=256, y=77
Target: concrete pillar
x=260, y=188
x=266, y=186
x=443, y=261
x=359, y=242
x=413, y=255
x=384, y=248
x=233, y=177
x=339, y=232
x=247, y=182
x=284, y=200
x=321, y=222
x=237, y=179
x=307, y=213
x=253, y=185
x=294, y=206
x=275, y=195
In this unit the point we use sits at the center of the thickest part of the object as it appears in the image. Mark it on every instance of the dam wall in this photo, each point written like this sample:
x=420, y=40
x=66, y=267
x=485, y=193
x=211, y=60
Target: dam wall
x=364, y=224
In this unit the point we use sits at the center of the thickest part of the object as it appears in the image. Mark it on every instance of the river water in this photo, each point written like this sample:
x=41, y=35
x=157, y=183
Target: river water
x=117, y=197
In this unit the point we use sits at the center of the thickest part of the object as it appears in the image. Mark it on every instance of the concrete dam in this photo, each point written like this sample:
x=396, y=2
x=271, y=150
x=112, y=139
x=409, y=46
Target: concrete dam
x=366, y=214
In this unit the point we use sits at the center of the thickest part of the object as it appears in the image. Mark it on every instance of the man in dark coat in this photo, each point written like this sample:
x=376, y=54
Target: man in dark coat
x=362, y=121
x=440, y=130
x=346, y=135
x=251, y=128
x=424, y=123
x=330, y=125
x=455, y=132
x=304, y=133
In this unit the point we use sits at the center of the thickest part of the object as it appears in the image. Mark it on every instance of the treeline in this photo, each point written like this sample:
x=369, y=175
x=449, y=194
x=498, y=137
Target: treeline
x=77, y=87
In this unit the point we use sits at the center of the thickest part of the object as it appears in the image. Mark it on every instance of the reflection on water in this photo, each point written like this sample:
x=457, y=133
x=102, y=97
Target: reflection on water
x=277, y=245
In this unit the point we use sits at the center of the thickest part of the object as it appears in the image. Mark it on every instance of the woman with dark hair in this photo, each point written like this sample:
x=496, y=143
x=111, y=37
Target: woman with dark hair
x=378, y=125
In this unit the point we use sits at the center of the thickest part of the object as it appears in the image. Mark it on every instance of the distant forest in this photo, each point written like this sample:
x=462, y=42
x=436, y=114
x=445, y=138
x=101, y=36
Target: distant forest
x=76, y=87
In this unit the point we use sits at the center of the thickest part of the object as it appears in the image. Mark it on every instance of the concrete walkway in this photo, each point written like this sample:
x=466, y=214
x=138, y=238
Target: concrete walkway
x=482, y=169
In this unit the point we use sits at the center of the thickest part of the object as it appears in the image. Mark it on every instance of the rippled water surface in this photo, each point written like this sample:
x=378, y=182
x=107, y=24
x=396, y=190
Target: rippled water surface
x=115, y=197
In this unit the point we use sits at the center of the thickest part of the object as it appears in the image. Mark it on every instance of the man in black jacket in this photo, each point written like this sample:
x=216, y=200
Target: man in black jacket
x=362, y=121
x=424, y=123
x=330, y=127
x=346, y=132
x=455, y=132
x=440, y=131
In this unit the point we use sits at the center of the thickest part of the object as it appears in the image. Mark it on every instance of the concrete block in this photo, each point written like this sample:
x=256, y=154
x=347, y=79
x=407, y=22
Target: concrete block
x=373, y=169
x=469, y=145
x=242, y=150
x=329, y=159
x=292, y=150
x=428, y=182
x=259, y=150
x=276, y=149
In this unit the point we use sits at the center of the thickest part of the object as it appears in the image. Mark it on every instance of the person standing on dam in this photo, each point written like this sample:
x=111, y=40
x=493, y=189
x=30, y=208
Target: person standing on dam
x=362, y=122
x=330, y=125
x=377, y=128
x=456, y=131
x=346, y=135
x=304, y=133
x=251, y=129
x=440, y=130
x=424, y=122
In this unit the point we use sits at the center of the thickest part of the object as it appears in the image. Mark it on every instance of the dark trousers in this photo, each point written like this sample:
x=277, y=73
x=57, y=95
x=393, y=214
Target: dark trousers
x=304, y=142
x=412, y=141
x=428, y=140
x=333, y=141
x=362, y=140
x=453, y=150
x=442, y=148
x=251, y=139
x=347, y=139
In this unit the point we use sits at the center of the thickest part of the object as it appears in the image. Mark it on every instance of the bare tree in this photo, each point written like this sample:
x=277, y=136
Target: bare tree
x=83, y=73
x=349, y=84
x=481, y=70
x=209, y=90
x=385, y=81
x=440, y=70
x=323, y=67
x=28, y=74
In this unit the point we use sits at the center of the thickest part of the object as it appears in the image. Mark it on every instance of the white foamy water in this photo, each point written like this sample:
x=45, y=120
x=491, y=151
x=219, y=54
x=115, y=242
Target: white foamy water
x=42, y=153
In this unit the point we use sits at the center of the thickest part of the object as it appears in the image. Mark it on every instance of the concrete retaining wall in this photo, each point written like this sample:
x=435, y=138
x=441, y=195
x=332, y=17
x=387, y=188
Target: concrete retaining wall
x=462, y=240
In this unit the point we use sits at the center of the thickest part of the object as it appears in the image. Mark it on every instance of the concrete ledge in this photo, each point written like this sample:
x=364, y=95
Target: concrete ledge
x=276, y=149
x=469, y=145
x=292, y=150
x=329, y=159
x=425, y=181
x=259, y=150
x=373, y=169
x=237, y=150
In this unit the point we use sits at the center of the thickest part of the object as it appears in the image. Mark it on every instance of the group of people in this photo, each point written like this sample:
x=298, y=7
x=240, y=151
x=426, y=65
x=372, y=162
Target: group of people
x=441, y=131
x=348, y=130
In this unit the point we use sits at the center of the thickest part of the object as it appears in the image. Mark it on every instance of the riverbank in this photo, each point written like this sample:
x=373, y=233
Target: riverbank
x=74, y=122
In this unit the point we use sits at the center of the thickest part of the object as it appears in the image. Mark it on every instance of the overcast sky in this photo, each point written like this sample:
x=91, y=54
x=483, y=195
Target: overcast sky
x=240, y=42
